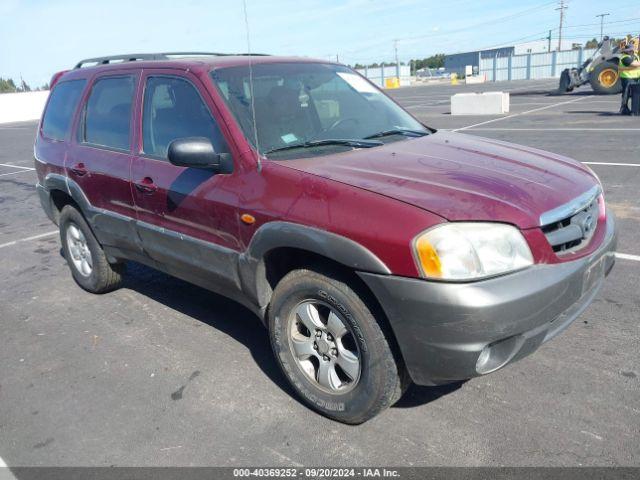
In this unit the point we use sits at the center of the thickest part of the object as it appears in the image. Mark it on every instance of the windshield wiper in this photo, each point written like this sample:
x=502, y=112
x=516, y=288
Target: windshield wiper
x=399, y=131
x=329, y=141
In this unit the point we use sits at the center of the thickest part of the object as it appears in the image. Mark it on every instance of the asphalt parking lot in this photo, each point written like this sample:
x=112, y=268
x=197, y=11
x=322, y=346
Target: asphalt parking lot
x=164, y=373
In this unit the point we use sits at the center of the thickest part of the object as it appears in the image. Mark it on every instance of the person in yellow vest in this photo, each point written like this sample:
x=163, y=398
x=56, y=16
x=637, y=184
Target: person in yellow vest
x=629, y=69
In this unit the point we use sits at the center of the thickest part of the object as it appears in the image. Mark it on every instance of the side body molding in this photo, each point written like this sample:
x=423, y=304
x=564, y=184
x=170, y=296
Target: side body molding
x=276, y=234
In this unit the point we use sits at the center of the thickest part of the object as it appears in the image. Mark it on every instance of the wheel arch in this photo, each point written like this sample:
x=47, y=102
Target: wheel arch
x=278, y=247
x=64, y=191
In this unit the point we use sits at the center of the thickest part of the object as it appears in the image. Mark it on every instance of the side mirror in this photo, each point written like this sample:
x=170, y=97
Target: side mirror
x=194, y=152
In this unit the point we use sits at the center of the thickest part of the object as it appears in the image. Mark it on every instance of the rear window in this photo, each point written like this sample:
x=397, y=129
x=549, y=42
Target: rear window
x=62, y=104
x=108, y=113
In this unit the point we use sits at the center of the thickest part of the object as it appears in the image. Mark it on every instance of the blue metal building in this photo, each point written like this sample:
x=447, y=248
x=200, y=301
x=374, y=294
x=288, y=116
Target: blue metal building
x=458, y=61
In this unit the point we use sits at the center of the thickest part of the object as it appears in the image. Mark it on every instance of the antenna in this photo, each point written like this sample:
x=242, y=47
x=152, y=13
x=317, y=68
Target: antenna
x=253, y=105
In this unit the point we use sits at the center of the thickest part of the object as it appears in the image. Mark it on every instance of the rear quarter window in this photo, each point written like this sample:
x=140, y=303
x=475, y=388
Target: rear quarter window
x=108, y=112
x=62, y=104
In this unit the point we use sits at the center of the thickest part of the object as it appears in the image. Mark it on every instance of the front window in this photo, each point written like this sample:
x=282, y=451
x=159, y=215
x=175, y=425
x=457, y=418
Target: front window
x=174, y=109
x=305, y=109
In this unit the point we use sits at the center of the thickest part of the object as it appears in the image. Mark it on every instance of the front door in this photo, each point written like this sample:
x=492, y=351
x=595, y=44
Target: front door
x=99, y=158
x=187, y=220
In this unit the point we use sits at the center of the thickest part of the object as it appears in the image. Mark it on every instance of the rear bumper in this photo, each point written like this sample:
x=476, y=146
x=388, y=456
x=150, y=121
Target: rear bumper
x=454, y=331
x=45, y=201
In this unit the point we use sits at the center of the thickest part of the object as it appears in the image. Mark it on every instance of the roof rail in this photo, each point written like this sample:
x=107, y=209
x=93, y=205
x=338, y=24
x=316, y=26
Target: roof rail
x=133, y=57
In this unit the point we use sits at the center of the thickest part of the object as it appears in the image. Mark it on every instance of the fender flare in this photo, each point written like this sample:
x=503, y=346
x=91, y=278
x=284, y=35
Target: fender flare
x=277, y=234
x=55, y=181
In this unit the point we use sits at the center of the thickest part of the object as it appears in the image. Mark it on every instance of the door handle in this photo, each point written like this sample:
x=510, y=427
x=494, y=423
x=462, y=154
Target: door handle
x=79, y=169
x=146, y=185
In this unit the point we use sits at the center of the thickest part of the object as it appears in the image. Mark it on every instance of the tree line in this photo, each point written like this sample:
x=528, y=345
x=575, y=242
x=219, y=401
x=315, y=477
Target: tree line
x=7, y=85
x=434, y=61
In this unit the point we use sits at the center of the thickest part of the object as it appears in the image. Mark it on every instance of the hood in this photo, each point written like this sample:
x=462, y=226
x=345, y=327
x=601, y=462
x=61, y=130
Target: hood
x=460, y=177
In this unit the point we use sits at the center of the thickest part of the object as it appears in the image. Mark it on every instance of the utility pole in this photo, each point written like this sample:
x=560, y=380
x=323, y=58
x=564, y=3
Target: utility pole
x=562, y=8
x=549, y=39
x=602, y=15
x=395, y=48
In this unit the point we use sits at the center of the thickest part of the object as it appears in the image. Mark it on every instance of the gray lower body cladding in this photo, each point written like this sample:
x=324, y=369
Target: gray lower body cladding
x=454, y=331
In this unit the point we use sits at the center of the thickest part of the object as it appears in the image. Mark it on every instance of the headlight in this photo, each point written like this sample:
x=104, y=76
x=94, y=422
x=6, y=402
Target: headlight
x=468, y=251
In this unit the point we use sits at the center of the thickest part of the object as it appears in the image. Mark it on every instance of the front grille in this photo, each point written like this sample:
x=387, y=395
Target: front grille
x=570, y=227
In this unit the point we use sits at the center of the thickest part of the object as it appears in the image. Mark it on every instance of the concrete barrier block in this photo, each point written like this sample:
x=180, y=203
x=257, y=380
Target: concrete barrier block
x=475, y=80
x=487, y=103
x=22, y=106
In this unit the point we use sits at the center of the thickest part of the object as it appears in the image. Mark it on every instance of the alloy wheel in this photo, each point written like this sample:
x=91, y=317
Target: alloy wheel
x=324, y=347
x=79, y=250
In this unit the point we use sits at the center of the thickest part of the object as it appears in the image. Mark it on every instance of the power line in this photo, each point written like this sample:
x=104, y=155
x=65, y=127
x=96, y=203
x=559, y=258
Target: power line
x=546, y=35
x=588, y=37
x=480, y=24
x=459, y=30
x=627, y=20
x=533, y=36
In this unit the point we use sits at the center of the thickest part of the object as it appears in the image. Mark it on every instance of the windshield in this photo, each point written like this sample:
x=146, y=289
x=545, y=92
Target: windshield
x=309, y=105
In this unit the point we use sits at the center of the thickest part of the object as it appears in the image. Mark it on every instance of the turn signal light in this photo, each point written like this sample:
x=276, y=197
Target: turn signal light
x=428, y=258
x=248, y=219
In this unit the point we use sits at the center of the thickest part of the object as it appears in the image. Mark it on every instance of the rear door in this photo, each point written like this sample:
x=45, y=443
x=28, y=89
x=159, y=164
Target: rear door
x=187, y=218
x=99, y=160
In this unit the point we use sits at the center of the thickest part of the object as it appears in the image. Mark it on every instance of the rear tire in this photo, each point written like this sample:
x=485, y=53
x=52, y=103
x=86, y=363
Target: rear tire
x=565, y=82
x=87, y=261
x=605, y=80
x=342, y=332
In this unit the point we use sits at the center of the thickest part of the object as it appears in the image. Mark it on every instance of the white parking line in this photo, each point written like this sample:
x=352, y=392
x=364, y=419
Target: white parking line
x=490, y=129
x=613, y=164
x=15, y=166
x=13, y=173
x=626, y=256
x=521, y=113
x=28, y=239
x=5, y=472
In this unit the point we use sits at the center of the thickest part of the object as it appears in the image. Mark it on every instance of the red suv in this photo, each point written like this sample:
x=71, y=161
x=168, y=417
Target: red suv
x=376, y=250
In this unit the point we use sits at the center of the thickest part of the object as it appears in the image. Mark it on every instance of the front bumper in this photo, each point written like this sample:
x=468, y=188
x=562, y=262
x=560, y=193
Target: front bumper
x=454, y=331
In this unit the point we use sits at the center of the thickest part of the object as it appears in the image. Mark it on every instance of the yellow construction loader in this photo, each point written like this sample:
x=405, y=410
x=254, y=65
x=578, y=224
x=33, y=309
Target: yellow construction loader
x=600, y=70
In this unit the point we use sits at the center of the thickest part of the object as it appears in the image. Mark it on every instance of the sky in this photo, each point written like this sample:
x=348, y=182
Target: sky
x=41, y=37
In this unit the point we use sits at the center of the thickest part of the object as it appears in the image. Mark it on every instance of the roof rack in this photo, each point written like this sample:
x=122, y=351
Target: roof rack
x=133, y=57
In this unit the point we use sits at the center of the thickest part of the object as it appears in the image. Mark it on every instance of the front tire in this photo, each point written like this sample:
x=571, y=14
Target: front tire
x=605, y=80
x=87, y=261
x=331, y=347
